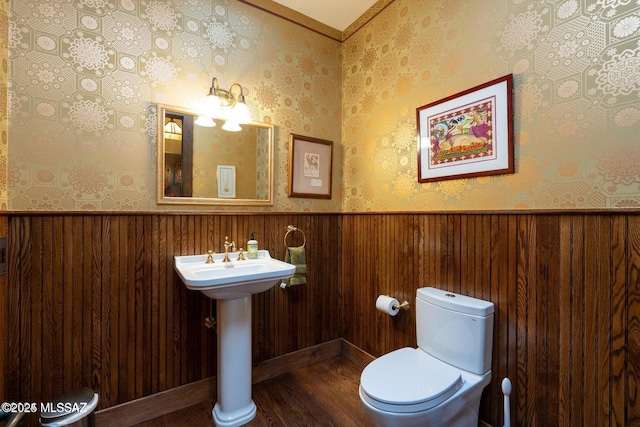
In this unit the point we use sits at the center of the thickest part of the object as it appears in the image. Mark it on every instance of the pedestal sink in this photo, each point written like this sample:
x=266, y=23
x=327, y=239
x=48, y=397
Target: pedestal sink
x=231, y=284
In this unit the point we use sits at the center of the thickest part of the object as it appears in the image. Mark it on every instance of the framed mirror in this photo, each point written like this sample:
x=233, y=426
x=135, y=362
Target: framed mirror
x=201, y=163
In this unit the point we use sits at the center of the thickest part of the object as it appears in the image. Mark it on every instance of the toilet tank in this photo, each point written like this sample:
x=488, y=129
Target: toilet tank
x=456, y=329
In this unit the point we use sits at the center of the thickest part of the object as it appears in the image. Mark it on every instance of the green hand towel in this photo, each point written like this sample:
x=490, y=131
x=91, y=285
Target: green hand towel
x=296, y=256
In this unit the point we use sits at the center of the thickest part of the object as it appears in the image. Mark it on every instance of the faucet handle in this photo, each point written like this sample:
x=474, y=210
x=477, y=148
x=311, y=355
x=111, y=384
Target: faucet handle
x=228, y=244
x=210, y=257
x=241, y=255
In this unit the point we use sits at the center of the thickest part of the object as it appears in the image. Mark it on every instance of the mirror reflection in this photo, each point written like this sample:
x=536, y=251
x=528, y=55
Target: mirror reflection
x=201, y=163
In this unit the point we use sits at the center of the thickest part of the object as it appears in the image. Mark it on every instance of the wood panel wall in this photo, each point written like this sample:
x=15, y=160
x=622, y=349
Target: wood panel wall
x=4, y=319
x=567, y=294
x=94, y=300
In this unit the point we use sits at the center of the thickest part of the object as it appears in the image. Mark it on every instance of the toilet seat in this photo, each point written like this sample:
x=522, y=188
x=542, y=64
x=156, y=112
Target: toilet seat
x=408, y=380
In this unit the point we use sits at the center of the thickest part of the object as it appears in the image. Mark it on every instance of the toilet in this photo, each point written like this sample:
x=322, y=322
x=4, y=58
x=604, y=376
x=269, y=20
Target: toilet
x=440, y=382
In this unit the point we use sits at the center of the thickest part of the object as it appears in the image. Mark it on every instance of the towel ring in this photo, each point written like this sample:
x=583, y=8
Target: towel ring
x=291, y=229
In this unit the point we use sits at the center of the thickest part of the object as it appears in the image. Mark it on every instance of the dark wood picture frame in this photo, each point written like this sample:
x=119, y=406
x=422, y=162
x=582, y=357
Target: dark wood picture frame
x=310, y=167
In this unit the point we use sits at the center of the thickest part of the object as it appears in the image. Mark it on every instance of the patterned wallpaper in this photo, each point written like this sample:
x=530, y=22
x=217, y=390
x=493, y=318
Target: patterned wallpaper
x=4, y=114
x=85, y=75
x=576, y=67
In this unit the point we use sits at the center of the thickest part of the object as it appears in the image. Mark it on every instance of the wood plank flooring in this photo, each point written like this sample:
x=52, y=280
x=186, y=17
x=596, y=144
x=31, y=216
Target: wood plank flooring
x=322, y=394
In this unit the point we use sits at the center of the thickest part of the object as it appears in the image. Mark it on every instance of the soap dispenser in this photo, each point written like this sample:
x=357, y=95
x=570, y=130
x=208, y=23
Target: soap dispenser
x=252, y=248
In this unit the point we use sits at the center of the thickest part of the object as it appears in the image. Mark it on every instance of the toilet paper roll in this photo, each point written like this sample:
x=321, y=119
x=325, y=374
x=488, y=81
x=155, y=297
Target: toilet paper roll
x=385, y=304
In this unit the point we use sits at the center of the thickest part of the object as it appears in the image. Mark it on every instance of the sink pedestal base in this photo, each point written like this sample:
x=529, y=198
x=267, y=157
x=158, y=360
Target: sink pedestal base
x=235, y=406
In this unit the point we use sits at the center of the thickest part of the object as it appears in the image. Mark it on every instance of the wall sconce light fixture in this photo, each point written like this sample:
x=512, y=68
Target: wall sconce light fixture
x=228, y=105
x=172, y=130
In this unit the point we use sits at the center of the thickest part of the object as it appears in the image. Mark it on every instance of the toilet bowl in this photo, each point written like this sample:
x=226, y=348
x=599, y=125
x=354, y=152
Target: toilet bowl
x=424, y=391
x=440, y=383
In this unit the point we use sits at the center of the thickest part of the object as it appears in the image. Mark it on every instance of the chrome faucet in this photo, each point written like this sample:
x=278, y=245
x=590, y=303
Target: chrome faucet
x=227, y=245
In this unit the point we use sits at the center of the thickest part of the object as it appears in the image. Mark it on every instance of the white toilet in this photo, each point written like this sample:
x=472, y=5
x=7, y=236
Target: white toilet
x=440, y=382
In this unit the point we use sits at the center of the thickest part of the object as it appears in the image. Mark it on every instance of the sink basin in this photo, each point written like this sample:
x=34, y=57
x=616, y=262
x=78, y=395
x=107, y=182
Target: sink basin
x=235, y=279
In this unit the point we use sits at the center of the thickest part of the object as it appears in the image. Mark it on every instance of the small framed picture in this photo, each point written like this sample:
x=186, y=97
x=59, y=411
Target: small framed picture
x=468, y=134
x=310, y=163
x=226, y=182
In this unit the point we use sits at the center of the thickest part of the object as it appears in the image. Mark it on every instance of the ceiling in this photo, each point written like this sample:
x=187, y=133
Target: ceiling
x=338, y=14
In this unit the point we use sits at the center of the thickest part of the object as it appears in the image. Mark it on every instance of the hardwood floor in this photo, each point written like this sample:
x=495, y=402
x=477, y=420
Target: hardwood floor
x=322, y=394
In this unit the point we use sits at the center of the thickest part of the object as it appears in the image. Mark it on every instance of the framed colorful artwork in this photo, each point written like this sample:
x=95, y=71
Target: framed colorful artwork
x=310, y=163
x=468, y=134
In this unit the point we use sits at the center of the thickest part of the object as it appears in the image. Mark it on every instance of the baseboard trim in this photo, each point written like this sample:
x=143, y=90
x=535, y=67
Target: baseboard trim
x=298, y=359
x=165, y=402
x=356, y=354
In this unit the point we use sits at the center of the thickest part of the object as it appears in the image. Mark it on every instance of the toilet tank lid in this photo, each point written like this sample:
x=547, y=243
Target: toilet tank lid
x=456, y=302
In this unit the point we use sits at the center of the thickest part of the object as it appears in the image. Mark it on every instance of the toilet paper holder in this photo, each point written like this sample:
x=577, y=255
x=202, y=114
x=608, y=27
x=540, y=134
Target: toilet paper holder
x=403, y=306
x=390, y=305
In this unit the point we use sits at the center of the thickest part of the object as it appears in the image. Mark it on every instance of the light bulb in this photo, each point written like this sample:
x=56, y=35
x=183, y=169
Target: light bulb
x=204, y=121
x=241, y=113
x=231, y=126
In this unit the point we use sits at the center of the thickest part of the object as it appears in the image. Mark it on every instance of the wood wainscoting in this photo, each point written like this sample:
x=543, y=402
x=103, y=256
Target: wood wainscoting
x=93, y=300
x=566, y=289
x=4, y=317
